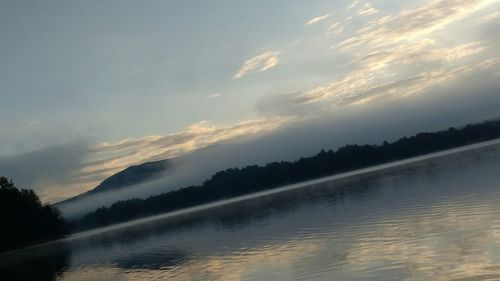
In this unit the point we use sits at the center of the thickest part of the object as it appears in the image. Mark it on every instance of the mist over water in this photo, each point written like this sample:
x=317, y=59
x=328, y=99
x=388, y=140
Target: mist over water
x=437, y=219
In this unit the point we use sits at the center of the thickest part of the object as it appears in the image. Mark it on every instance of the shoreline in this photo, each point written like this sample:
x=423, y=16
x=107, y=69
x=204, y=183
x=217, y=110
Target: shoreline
x=376, y=168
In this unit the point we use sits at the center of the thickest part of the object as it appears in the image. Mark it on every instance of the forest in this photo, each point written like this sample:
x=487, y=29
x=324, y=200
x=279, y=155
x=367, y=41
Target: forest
x=239, y=181
x=25, y=220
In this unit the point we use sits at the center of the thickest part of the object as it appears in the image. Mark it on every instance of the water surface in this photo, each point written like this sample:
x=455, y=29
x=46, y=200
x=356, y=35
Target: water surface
x=435, y=219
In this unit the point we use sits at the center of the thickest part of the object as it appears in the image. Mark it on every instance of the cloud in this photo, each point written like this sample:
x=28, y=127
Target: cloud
x=45, y=170
x=261, y=62
x=335, y=28
x=318, y=19
x=394, y=56
x=353, y=4
x=209, y=96
x=343, y=93
x=423, y=51
x=490, y=17
x=216, y=95
x=409, y=25
x=489, y=35
x=392, y=72
x=367, y=9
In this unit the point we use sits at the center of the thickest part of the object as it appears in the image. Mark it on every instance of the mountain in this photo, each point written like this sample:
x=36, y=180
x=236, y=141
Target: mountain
x=130, y=176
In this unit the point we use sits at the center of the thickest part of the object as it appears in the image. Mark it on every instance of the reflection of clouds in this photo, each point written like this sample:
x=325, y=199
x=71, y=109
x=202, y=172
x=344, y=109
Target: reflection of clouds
x=240, y=263
x=152, y=260
x=439, y=247
x=457, y=251
x=215, y=267
x=218, y=268
x=95, y=273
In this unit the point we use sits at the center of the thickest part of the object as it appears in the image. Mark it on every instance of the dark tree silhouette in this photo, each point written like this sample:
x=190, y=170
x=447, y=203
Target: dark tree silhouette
x=238, y=181
x=23, y=218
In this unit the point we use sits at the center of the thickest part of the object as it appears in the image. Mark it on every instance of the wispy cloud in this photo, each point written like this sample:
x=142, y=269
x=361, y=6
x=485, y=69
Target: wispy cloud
x=318, y=19
x=335, y=28
x=380, y=74
x=409, y=25
x=367, y=9
x=261, y=62
x=397, y=55
x=490, y=17
x=420, y=52
x=353, y=4
x=216, y=95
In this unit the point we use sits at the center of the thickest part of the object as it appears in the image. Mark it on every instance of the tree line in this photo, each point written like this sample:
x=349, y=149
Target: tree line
x=239, y=181
x=24, y=220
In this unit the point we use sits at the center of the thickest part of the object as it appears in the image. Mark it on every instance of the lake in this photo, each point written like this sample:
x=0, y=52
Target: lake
x=433, y=219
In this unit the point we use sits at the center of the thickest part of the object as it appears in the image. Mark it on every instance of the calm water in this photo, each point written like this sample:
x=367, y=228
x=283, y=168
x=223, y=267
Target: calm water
x=437, y=219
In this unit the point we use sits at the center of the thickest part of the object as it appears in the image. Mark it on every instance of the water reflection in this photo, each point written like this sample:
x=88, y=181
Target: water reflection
x=432, y=220
x=46, y=265
x=153, y=260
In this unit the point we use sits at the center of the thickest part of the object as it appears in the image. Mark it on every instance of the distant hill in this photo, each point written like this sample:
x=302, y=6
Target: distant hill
x=130, y=176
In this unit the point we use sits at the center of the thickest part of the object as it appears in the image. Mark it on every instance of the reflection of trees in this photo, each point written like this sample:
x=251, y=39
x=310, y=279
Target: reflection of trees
x=45, y=263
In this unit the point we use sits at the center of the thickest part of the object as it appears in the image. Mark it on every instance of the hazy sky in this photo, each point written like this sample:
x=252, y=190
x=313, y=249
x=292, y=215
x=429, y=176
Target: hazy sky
x=90, y=87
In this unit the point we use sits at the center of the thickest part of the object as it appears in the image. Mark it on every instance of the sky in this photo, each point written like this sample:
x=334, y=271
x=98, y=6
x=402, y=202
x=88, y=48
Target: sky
x=88, y=88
